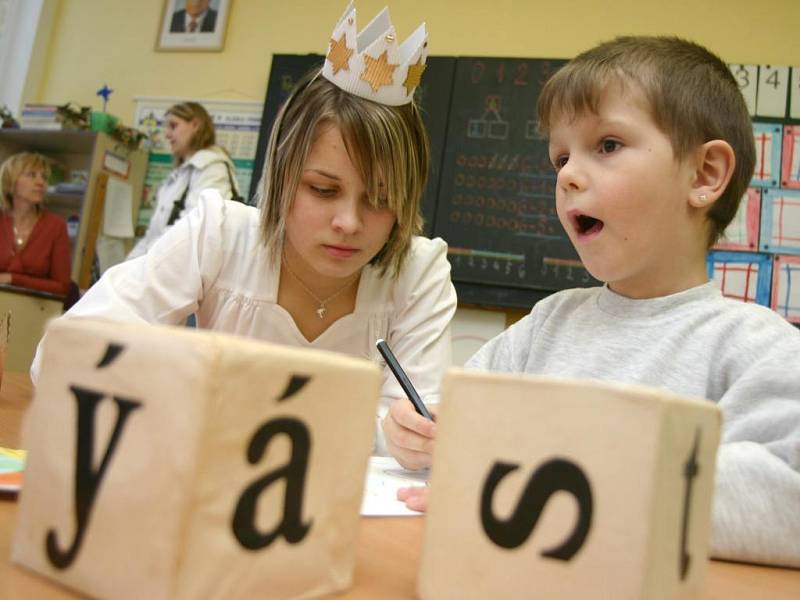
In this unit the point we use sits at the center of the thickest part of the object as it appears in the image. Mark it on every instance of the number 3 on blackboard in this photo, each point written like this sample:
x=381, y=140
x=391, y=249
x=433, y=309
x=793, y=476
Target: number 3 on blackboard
x=747, y=78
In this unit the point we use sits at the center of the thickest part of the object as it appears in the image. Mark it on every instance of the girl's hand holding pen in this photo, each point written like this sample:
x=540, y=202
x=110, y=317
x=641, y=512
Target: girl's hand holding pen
x=409, y=436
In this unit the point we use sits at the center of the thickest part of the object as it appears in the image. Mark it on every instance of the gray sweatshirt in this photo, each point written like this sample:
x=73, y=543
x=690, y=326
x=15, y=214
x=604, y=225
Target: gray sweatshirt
x=695, y=343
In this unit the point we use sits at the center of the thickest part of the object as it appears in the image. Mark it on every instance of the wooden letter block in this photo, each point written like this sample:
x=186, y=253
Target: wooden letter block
x=174, y=463
x=549, y=488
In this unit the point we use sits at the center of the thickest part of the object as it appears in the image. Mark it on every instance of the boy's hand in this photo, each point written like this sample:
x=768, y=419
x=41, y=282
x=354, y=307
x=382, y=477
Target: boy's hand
x=409, y=436
x=416, y=498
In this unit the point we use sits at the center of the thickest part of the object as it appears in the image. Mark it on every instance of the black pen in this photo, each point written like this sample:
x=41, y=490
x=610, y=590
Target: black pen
x=402, y=379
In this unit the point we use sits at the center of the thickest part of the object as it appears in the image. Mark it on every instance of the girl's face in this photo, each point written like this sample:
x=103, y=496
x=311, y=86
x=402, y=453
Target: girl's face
x=31, y=186
x=332, y=231
x=179, y=134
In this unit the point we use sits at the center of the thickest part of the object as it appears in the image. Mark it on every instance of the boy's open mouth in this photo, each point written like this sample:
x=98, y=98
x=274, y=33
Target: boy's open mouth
x=586, y=225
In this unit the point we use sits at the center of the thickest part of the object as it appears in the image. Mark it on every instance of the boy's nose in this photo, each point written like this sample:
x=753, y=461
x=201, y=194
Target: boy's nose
x=570, y=176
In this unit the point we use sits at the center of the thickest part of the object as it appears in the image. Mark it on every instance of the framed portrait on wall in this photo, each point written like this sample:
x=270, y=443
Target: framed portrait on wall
x=193, y=25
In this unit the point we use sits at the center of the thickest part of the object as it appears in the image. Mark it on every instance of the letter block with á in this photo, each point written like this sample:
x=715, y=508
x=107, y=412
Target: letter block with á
x=555, y=488
x=174, y=463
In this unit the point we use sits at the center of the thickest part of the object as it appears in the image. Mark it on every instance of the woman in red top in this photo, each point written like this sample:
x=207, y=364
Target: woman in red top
x=34, y=246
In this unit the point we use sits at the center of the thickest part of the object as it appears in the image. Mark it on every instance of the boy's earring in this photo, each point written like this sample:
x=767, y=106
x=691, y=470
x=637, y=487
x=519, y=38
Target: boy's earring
x=702, y=199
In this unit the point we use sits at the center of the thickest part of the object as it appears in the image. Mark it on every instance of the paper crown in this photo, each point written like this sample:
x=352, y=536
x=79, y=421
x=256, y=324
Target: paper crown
x=371, y=64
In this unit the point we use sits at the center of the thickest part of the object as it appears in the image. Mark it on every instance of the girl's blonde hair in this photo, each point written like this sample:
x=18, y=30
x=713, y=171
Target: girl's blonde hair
x=13, y=167
x=387, y=144
x=205, y=135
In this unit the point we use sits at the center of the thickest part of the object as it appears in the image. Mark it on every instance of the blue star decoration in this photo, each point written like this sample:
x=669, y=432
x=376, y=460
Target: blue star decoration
x=105, y=92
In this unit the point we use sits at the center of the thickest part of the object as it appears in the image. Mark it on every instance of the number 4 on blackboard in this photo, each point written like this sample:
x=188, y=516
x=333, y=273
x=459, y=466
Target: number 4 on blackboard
x=773, y=85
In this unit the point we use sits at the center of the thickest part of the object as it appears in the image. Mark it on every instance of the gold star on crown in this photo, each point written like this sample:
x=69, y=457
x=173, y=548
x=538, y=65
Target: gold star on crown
x=339, y=55
x=392, y=77
x=378, y=71
x=414, y=76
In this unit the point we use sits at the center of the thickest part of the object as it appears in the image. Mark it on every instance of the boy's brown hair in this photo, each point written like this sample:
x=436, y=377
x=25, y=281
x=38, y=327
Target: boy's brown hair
x=387, y=144
x=692, y=94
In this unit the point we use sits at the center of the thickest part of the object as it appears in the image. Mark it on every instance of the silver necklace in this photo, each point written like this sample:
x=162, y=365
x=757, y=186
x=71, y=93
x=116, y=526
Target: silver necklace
x=19, y=237
x=322, y=310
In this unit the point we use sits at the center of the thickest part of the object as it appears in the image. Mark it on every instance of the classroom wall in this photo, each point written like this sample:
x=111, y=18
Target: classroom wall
x=113, y=41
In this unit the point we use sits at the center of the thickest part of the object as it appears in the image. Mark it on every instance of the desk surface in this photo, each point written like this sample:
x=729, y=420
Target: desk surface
x=388, y=548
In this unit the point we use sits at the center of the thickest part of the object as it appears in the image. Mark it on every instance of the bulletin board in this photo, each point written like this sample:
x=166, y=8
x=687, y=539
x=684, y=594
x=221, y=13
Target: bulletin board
x=496, y=201
x=763, y=265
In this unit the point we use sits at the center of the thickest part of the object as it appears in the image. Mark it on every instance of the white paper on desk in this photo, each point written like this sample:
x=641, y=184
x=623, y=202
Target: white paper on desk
x=384, y=478
x=118, y=211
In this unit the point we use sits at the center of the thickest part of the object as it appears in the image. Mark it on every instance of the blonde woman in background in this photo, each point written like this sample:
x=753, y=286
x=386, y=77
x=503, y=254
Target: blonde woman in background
x=199, y=165
x=34, y=245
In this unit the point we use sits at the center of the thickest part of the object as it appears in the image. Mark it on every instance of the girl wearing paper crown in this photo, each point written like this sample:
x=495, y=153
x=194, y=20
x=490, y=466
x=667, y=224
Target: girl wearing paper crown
x=331, y=259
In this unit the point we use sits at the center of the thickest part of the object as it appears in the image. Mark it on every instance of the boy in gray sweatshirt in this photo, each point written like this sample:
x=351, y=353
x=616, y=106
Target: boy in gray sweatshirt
x=653, y=149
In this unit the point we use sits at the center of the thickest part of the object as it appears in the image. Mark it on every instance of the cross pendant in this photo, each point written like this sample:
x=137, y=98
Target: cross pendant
x=321, y=312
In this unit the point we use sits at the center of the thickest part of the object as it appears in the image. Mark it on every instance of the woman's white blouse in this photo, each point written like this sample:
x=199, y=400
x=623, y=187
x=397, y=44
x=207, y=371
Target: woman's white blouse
x=213, y=263
x=210, y=168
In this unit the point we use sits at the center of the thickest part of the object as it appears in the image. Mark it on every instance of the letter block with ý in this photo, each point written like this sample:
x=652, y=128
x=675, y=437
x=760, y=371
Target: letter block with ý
x=555, y=488
x=174, y=463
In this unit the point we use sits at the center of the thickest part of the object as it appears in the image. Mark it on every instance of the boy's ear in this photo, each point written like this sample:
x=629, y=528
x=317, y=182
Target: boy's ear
x=714, y=169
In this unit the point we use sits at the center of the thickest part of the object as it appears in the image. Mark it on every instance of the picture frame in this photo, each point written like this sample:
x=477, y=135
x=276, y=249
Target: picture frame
x=193, y=25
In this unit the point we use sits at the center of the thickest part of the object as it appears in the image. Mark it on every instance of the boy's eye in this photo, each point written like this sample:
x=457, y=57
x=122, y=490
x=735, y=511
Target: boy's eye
x=609, y=146
x=560, y=161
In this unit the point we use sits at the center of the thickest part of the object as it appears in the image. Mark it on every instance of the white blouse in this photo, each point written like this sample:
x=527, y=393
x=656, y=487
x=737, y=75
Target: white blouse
x=207, y=168
x=213, y=263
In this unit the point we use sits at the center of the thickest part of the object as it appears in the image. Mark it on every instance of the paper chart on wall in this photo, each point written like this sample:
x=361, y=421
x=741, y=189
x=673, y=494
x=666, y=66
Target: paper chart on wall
x=384, y=478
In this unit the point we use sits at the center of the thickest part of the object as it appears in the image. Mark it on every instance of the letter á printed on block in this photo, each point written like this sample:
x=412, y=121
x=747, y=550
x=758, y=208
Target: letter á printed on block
x=173, y=463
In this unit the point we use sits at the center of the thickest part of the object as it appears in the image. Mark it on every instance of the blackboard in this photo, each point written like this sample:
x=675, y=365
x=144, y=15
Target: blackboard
x=496, y=201
x=285, y=72
x=491, y=189
x=433, y=97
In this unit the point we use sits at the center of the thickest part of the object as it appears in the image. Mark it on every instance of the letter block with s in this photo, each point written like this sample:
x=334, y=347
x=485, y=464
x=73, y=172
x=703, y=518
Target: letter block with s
x=556, y=488
x=167, y=462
